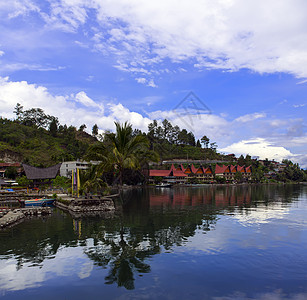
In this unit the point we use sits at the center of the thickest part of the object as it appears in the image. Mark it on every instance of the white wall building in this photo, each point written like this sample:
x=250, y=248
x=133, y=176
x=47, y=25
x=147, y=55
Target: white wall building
x=68, y=166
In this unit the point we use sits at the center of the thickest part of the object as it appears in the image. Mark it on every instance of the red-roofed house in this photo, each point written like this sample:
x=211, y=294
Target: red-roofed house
x=223, y=171
x=173, y=167
x=204, y=174
x=180, y=168
x=168, y=176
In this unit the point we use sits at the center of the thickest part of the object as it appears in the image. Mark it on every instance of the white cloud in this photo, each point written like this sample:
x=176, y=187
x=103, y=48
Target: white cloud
x=299, y=105
x=148, y=82
x=224, y=34
x=250, y=117
x=258, y=147
x=141, y=80
x=17, y=66
x=13, y=9
x=82, y=98
x=230, y=35
x=66, y=108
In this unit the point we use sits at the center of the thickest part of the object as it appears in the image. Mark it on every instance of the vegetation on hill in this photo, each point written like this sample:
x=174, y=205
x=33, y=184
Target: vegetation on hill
x=39, y=139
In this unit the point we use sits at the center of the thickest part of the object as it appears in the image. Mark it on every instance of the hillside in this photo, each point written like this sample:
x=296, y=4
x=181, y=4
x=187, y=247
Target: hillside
x=38, y=147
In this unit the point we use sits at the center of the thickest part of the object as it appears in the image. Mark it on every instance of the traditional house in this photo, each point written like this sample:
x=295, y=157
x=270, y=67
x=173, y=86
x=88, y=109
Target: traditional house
x=224, y=172
x=168, y=176
x=204, y=174
x=229, y=172
x=201, y=174
x=41, y=175
x=180, y=168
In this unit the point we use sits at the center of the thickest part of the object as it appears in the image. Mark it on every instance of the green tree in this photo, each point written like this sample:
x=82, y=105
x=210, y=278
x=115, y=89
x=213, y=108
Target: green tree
x=183, y=137
x=121, y=151
x=61, y=181
x=82, y=127
x=95, y=130
x=205, y=140
x=238, y=177
x=53, y=127
x=241, y=160
x=167, y=129
x=18, y=111
x=23, y=181
x=10, y=172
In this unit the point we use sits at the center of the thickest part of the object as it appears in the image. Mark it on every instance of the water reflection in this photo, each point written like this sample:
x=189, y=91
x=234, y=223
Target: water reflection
x=151, y=222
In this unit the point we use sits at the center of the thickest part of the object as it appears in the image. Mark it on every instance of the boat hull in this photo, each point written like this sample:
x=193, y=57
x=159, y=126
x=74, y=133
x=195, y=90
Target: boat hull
x=38, y=202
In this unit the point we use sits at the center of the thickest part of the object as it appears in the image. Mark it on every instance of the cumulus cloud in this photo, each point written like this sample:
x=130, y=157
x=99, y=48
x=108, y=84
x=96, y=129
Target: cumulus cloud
x=74, y=109
x=82, y=98
x=258, y=147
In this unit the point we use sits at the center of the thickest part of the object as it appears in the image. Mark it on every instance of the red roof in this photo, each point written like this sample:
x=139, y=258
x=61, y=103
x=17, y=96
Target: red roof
x=173, y=167
x=164, y=173
x=180, y=168
x=248, y=169
x=190, y=169
x=240, y=169
x=221, y=170
x=208, y=170
x=200, y=170
x=160, y=173
x=10, y=165
x=233, y=169
x=177, y=173
x=193, y=169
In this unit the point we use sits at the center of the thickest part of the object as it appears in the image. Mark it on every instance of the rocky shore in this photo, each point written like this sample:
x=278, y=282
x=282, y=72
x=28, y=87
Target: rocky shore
x=10, y=217
x=86, y=207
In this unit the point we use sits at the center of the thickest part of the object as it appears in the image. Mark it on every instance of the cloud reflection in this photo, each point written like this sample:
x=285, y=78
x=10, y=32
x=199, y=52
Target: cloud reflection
x=68, y=261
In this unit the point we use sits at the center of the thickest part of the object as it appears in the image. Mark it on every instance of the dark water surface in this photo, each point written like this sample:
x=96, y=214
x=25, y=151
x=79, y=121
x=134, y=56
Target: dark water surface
x=181, y=243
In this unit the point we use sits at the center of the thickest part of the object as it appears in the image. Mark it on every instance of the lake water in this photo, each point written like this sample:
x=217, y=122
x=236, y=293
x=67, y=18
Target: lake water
x=245, y=242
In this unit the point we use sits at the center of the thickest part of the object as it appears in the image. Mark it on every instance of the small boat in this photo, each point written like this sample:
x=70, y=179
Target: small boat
x=37, y=202
x=164, y=185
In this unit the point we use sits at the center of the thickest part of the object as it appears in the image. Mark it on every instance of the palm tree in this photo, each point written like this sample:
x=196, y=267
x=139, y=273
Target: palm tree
x=122, y=150
x=90, y=180
x=128, y=150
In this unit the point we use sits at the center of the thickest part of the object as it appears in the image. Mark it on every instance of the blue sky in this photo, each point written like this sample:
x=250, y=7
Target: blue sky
x=99, y=61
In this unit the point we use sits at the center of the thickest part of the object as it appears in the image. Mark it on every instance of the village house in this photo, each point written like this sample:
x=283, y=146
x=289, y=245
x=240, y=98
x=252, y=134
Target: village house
x=181, y=175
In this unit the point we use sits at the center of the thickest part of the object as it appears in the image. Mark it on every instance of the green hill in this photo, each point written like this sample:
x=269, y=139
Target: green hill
x=38, y=146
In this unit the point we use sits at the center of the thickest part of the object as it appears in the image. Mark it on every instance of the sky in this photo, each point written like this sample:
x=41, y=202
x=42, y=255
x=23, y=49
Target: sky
x=233, y=70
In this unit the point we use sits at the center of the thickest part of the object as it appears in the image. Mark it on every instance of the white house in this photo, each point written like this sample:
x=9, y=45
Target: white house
x=68, y=166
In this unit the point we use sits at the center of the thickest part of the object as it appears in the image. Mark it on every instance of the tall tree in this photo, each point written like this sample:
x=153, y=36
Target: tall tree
x=53, y=127
x=82, y=127
x=18, y=111
x=95, y=130
x=167, y=129
x=205, y=140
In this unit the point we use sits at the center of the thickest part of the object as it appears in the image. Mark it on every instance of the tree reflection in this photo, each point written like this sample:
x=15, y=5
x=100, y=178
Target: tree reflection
x=151, y=221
